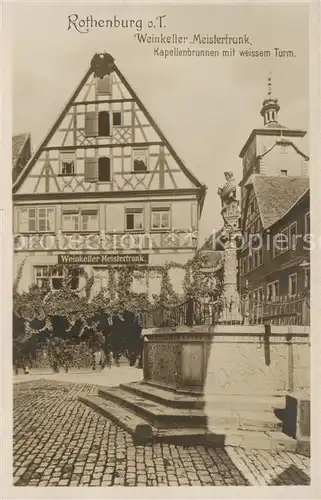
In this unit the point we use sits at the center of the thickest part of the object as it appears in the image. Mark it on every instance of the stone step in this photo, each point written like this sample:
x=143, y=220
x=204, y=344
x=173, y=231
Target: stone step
x=225, y=401
x=157, y=414
x=164, y=396
x=160, y=415
x=143, y=432
x=218, y=437
x=138, y=427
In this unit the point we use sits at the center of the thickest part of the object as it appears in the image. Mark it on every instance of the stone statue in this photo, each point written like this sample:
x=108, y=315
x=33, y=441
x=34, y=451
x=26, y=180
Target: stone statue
x=230, y=205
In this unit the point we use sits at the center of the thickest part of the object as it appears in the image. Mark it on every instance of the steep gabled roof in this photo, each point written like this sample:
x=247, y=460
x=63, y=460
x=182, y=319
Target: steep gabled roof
x=284, y=142
x=18, y=143
x=200, y=186
x=277, y=195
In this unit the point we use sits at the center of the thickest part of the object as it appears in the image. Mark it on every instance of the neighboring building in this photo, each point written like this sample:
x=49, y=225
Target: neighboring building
x=106, y=178
x=21, y=153
x=275, y=207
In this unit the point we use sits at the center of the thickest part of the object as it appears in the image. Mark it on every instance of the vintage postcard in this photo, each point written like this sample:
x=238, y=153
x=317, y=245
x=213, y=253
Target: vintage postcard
x=157, y=249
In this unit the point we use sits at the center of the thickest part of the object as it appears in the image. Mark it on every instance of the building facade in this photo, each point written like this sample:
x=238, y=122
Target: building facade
x=275, y=215
x=105, y=189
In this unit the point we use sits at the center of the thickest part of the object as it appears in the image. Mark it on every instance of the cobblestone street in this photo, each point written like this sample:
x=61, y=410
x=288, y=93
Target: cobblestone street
x=58, y=441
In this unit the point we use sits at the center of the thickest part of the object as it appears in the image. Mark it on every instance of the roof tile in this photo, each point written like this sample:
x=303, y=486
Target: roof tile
x=277, y=195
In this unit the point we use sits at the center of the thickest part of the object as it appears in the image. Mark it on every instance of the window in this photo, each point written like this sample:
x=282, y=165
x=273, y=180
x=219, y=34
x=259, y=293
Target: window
x=244, y=265
x=293, y=235
x=70, y=222
x=40, y=219
x=117, y=119
x=103, y=124
x=307, y=278
x=134, y=219
x=104, y=85
x=83, y=220
x=104, y=169
x=273, y=291
x=281, y=242
x=89, y=220
x=160, y=218
x=293, y=284
x=250, y=262
x=55, y=275
x=260, y=294
x=101, y=276
x=67, y=163
x=140, y=160
x=257, y=257
x=41, y=275
x=307, y=223
x=284, y=172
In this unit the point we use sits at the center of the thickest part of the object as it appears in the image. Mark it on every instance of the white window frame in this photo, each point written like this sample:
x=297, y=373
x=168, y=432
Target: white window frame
x=273, y=285
x=260, y=294
x=51, y=271
x=134, y=212
x=291, y=294
x=258, y=252
x=101, y=274
x=162, y=212
x=37, y=218
x=78, y=216
x=277, y=252
x=138, y=152
x=307, y=215
x=67, y=154
x=307, y=278
x=292, y=245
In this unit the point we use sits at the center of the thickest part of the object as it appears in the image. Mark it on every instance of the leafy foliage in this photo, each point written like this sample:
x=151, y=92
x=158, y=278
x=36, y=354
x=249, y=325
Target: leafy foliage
x=109, y=320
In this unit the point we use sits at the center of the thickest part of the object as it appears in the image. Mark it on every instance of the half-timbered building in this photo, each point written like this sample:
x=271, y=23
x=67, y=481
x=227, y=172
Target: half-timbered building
x=275, y=214
x=104, y=188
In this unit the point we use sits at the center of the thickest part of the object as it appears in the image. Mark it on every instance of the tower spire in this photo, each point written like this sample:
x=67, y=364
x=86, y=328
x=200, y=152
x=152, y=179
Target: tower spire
x=270, y=107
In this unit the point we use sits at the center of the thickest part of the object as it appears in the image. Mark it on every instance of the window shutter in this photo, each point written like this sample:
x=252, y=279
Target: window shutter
x=91, y=170
x=91, y=123
x=104, y=85
x=23, y=220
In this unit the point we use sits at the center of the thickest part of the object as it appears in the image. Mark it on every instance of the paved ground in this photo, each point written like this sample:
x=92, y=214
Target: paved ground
x=58, y=441
x=108, y=376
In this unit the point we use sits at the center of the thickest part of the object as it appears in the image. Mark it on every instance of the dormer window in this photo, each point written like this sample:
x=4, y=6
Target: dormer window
x=140, y=159
x=67, y=163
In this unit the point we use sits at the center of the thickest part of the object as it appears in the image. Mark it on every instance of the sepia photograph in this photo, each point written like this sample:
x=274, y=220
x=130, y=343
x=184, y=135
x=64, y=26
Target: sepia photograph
x=161, y=243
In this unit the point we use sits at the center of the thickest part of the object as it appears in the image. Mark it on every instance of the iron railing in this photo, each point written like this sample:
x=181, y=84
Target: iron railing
x=283, y=311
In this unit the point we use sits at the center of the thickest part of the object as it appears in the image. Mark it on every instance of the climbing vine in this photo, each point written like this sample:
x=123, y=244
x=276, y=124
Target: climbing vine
x=64, y=317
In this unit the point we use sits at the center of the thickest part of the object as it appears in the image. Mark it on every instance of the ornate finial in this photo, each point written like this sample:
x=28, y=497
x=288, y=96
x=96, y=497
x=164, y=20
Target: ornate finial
x=270, y=84
x=102, y=64
x=270, y=106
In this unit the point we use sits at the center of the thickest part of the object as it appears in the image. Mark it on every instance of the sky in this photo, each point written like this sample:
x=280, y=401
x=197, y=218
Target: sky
x=206, y=107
